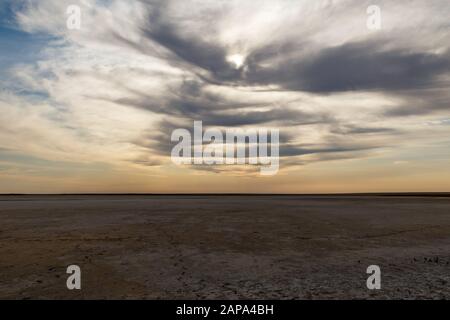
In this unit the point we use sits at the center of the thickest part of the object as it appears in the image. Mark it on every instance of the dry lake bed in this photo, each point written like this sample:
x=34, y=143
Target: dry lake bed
x=224, y=247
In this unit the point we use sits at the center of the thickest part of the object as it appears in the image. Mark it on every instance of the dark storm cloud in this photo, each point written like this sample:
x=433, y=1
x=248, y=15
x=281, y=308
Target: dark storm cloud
x=158, y=137
x=289, y=151
x=364, y=65
x=351, y=129
x=196, y=52
x=157, y=140
x=191, y=49
x=350, y=67
x=191, y=101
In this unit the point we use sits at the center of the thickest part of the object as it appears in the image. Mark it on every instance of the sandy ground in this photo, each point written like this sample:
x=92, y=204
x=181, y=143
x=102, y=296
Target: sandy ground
x=232, y=247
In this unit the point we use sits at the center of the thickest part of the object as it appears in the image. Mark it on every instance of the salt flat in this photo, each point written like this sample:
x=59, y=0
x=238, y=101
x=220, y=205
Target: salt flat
x=224, y=247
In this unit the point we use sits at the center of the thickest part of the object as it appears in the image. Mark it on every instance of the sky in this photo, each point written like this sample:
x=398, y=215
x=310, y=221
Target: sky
x=92, y=110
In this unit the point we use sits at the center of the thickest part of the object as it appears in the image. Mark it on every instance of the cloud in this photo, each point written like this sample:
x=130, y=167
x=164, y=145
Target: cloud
x=357, y=66
x=420, y=102
x=193, y=50
x=116, y=89
x=351, y=129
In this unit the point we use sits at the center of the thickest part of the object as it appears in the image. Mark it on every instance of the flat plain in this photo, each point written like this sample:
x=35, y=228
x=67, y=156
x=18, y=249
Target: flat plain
x=225, y=247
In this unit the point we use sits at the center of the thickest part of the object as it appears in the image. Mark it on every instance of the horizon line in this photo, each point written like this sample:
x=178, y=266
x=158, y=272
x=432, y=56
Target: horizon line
x=425, y=194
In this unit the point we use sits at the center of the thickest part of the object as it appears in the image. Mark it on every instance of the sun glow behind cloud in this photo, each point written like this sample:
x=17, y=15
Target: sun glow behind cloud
x=237, y=60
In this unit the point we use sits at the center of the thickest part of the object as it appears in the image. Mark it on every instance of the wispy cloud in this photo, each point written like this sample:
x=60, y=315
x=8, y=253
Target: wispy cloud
x=113, y=91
